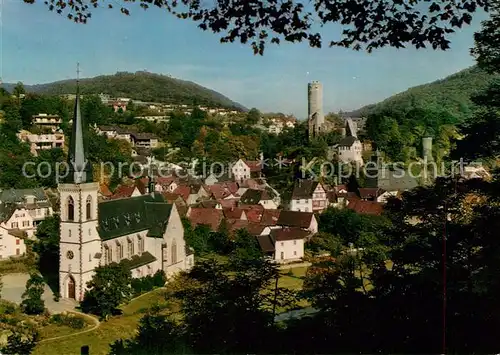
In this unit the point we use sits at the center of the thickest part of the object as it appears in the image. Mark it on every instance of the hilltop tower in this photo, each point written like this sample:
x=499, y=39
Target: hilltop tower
x=80, y=245
x=316, y=117
x=427, y=148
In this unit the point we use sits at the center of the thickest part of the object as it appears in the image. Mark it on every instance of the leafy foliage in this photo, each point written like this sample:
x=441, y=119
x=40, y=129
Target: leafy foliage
x=366, y=24
x=32, y=298
x=147, y=283
x=21, y=344
x=109, y=287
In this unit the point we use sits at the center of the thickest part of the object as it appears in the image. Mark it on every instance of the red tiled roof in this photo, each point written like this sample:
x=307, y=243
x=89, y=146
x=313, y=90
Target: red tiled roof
x=253, y=212
x=170, y=197
x=123, y=191
x=289, y=234
x=228, y=203
x=235, y=224
x=270, y=217
x=142, y=184
x=104, y=189
x=365, y=207
x=255, y=228
x=340, y=187
x=255, y=166
x=183, y=191
x=233, y=213
x=206, y=216
x=219, y=191
x=165, y=180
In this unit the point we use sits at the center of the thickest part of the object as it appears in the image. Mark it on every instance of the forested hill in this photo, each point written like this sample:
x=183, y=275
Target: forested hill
x=140, y=86
x=451, y=94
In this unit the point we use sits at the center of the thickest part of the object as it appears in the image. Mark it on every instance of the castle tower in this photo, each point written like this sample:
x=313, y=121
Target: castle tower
x=427, y=148
x=316, y=117
x=80, y=245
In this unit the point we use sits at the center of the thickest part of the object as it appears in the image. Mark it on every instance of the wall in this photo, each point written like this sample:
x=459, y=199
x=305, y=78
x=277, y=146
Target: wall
x=301, y=205
x=292, y=250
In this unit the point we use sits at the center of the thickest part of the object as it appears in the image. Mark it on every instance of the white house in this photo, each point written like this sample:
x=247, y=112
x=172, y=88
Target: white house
x=11, y=243
x=145, y=233
x=242, y=170
x=308, y=196
x=284, y=245
x=40, y=142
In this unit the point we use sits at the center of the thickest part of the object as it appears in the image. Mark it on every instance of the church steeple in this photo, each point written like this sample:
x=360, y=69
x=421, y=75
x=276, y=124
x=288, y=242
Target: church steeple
x=80, y=169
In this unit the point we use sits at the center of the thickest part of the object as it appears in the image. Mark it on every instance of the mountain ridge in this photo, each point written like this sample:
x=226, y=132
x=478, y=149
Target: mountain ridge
x=141, y=85
x=451, y=93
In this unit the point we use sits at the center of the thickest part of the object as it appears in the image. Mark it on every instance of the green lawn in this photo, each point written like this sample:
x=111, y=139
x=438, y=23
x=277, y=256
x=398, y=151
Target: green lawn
x=115, y=328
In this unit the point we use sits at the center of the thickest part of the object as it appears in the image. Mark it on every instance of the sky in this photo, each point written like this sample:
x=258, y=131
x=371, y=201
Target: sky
x=38, y=46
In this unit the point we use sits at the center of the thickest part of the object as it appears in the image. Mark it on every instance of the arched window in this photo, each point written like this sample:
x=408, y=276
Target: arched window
x=119, y=252
x=89, y=207
x=141, y=244
x=174, y=252
x=71, y=209
x=108, y=255
x=130, y=248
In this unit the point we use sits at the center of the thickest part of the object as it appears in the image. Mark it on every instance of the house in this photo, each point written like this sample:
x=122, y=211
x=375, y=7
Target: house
x=350, y=148
x=303, y=220
x=308, y=196
x=284, y=245
x=210, y=217
x=125, y=191
x=40, y=142
x=253, y=212
x=31, y=206
x=235, y=214
x=270, y=217
x=370, y=193
x=11, y=242
x=245, y=169
x=144, y=233
x=145, y=140
x=258, y=197
x=365, y=207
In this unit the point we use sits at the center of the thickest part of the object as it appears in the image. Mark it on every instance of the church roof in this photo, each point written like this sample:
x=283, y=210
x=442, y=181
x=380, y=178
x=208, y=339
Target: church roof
x=131, y=215
x=347, y=141
x=139, y=260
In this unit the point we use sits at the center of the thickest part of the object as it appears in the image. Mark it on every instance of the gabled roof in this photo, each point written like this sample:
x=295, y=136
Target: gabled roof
x=254, y=165
x=370, y=192
x=233, y=213
x=266, y=243
x=347, y=141
x=210, y=217
x=104, y=190
x=139, y=260
x=18, y=195
x=270, y=217
x=287, y=233
x=184, y=191
x=236, y=224
x=253, y=212
x=123, y=191
x=295, y=219
x=126, y=216
x=255, y=228
x=304, y=189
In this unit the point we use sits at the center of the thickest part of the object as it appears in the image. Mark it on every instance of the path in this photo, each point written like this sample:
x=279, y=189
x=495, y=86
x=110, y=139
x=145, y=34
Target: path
x=14, y=286
x=94, y=320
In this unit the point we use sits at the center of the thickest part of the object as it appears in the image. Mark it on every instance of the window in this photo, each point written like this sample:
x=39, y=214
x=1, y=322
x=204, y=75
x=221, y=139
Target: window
x=90, y=257
x=18, y=251
x=90, y=231
x=307, y=200
x=130, y=248
x=294, y=253
x=294, y=242
x=26, y=223
x=141, y=244
x=71, y=209
x=14, y=225
x=108, y=257
x=18, y=241
x=282, y=244
x=282, y=255
x=174, y=252
x=89, y=208
x=119, y=251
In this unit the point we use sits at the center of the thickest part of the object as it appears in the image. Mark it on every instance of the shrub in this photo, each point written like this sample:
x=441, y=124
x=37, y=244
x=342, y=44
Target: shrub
x=148, y=283
x=7, y=307
x=70, y=320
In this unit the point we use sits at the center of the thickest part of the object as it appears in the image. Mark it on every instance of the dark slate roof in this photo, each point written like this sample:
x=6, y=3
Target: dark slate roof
x=266, y=243
x=347, y=141
x=130, y=215
x=251, y=197
x=18, y=195
x=295, y=219
x=139, y=260
x=6, y=211
x=304, y=189
x=289, y=234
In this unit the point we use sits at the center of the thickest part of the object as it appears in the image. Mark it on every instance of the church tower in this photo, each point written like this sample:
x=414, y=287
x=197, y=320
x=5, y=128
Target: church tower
x=80, y=245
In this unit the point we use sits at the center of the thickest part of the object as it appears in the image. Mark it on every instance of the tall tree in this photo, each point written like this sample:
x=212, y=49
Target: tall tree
x=32, y=298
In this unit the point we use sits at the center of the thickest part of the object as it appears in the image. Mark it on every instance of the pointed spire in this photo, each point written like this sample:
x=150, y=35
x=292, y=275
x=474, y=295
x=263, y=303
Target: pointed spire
x=79, y=168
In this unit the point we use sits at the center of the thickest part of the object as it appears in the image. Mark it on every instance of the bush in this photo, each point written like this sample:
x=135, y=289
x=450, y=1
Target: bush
x=7, y=307
x=148, y=283
x=57, y=296
x=70, y=320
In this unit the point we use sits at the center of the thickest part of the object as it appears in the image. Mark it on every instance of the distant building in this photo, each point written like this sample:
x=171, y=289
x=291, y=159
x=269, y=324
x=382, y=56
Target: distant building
x=136, y=139
x=350, y=148
x=308, y=196
x=42, y=141
x=243, y=170
x=44, y=120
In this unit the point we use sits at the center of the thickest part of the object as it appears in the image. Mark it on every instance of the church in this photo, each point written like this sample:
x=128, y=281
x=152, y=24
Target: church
x=144, y=232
